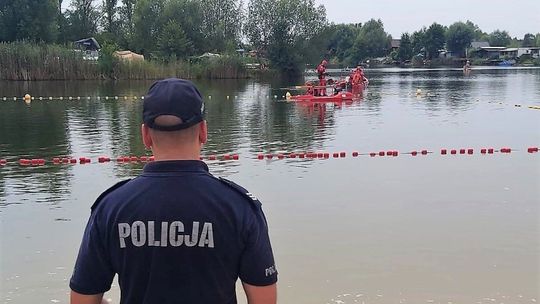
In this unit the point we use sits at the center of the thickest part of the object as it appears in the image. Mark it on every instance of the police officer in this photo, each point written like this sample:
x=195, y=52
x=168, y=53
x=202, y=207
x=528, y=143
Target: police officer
x=175, y=234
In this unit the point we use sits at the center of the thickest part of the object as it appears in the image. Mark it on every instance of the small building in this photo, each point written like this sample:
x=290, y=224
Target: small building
x=476, y=45
x=509, y=53
x=534, y=52
x=490, y=52
x=88, y=44
x=395, y=44
x=89, y=48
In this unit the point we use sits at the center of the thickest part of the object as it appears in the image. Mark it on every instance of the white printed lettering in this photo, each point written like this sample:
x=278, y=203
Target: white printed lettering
x=175, y=238
x=123, y=232
x=151, y=235
x=144, y=233
x=270, y=271
x=138, y=233
x=207, y=236
x=164, y=230
x=194, y=236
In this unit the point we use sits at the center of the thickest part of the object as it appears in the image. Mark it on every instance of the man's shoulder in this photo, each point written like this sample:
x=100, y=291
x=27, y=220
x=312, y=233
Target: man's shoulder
x=248, y=196
x=105, y=193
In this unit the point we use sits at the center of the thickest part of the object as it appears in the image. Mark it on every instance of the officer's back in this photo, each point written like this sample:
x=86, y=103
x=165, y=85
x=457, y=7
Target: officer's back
x=175, y=234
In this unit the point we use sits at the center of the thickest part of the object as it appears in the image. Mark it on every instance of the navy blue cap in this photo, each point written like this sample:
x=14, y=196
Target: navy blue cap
x=176, y=97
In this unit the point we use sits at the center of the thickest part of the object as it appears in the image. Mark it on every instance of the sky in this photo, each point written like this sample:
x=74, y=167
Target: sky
x=518, y=17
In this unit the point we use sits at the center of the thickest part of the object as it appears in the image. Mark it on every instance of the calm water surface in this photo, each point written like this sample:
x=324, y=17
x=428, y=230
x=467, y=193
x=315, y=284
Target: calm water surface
x=429, y=229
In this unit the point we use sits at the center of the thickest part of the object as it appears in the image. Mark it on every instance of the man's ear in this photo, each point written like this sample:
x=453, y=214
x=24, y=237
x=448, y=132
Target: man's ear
x=203, y=132
x=147, y=139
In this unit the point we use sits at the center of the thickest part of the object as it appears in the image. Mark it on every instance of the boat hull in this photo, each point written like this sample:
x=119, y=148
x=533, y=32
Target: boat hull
x=340, y=97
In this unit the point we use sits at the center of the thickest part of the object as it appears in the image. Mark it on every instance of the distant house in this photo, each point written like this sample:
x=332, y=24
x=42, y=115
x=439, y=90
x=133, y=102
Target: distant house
x=490, y=52
x=88, y=44
x=509, y=52
x=476, y=45
x=395, y=44
x=89, y=48
x=534, y=52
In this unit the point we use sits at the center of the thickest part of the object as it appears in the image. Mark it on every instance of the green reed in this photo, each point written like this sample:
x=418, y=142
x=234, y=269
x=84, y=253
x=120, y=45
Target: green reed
x=31, y=61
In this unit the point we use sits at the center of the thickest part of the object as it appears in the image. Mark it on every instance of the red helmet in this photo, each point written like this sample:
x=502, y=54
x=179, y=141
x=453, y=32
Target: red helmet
x=324, y=62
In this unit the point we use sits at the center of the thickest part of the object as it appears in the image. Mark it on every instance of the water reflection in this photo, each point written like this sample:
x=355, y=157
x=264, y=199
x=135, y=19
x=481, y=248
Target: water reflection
x=244, y=117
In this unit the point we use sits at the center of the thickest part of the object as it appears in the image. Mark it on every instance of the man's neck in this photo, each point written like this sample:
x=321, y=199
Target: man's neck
x=176, y=155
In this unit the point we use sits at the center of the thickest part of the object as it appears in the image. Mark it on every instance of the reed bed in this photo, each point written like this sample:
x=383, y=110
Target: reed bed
x=29, y=61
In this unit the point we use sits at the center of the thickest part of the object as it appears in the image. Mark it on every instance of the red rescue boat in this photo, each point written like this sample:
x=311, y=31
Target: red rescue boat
x=339, y=97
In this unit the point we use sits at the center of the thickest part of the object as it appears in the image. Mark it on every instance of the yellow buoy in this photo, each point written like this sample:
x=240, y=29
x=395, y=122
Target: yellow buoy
x=288, y=95
x=27, y=97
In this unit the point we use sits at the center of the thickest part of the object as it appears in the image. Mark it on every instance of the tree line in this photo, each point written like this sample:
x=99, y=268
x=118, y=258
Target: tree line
x=353, y=43
x=288, y=33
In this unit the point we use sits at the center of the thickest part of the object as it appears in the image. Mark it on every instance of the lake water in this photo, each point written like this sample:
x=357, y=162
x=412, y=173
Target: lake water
x=409, y=229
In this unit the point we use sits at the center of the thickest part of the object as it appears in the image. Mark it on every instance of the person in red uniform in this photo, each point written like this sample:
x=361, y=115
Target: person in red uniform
x=321, y=71
x=363, y=78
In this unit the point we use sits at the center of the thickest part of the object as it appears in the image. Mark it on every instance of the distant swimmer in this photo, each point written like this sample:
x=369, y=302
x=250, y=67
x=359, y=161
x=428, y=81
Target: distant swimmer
x=467, y=67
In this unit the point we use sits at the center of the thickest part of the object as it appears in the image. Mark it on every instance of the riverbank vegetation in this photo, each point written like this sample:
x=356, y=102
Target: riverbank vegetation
x=31, y=61
x=215, y=39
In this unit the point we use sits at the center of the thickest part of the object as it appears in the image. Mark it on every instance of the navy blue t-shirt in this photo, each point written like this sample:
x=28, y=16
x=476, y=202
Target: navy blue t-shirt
x=175, y=234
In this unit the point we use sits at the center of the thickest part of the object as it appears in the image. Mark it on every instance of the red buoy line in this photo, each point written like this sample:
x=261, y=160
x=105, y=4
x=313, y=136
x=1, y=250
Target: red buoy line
x=36, y=162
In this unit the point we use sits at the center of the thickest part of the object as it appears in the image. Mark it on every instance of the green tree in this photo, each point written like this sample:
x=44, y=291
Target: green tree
x=146, y=25
x=221, y=24
x=405, y=51
x=173, y=42
x=459, y=37
x=537, y=39
x=499, y=38
x=340, y=41
x=372, y=41
x=418, y=42
x=434, y=40
x=28, y=20
x=186, y=13
x=110, y=10
x=125, y=25
x=478, y=34
x=283, y=28
x=81, y=20
x=528, y=40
